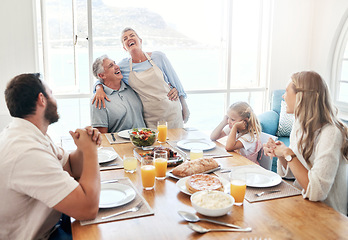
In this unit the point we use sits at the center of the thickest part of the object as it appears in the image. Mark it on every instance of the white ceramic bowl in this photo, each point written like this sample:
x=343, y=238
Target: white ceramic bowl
x=212, y=203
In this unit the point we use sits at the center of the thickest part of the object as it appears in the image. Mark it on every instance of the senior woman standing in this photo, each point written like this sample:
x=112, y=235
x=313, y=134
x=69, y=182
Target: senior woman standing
x=151, y=76
x=318, y=151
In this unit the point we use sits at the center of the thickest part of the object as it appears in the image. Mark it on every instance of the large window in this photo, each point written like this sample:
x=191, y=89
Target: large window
x=219, y=49
x=340, y=71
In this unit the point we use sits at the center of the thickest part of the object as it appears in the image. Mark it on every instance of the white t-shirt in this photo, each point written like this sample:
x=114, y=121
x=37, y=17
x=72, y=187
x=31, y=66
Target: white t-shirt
x=327, y=170
x=251, y=145
x=32, y=181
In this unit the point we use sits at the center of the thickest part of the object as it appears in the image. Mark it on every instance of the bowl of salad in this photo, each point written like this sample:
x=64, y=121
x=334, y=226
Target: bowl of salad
x=142, y=137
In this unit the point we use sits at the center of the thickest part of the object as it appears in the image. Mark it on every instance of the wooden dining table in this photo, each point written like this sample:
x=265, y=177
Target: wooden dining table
x=282, y=218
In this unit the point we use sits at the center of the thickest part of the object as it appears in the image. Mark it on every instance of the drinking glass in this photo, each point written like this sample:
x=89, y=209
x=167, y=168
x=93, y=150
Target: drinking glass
x=161, y=158
x=129, y=163
x=196, y=153
x=148, y=172
x=238, y=186
x=162, y=131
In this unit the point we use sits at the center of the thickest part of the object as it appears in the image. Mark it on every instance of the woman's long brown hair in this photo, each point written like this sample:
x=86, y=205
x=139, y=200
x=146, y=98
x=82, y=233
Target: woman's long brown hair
x=314, y=109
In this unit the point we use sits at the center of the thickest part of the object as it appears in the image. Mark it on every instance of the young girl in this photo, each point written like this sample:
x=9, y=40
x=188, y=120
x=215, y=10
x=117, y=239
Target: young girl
x=243, y=130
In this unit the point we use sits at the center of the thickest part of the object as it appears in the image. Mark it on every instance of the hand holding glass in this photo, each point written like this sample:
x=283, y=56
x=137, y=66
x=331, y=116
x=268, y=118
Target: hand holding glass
x=161, y=158
x=148, y=172
x=238, y=186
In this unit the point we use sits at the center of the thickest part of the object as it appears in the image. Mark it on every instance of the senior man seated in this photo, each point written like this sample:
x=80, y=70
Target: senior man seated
x=123, y=109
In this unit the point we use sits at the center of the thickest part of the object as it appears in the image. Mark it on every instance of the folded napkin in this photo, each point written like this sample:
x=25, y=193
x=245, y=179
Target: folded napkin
x=216, y=152
x=114, y=164
x=117, y=140
x=286, y=190
x=145, y=210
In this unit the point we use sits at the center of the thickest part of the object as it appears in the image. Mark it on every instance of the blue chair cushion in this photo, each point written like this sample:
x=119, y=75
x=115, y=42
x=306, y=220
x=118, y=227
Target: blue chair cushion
x=277, y=97
x=269, y=122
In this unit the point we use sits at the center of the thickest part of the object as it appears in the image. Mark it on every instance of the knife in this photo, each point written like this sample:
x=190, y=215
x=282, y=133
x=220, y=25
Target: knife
x=113, y=137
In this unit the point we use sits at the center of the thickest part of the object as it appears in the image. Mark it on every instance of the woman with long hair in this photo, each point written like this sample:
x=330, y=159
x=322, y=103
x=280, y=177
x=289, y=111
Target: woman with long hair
x=318, y=151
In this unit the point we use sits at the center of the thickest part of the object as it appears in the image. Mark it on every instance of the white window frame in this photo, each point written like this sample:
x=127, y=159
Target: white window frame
x=342, y=43
x=262, y=74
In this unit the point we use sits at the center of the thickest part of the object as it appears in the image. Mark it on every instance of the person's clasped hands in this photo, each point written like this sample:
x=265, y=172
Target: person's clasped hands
x=87, y=137
x=274, y=148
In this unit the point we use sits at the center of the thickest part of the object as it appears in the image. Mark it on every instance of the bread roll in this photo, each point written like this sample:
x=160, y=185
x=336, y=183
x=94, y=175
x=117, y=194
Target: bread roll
x=200, y=165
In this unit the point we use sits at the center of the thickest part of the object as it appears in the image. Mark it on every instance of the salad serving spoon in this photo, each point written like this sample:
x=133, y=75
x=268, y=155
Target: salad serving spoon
x=200, y=229
x=190, y=217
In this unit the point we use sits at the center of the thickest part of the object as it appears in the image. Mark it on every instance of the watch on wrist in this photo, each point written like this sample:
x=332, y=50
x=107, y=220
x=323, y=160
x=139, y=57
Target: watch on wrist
x=289, y=157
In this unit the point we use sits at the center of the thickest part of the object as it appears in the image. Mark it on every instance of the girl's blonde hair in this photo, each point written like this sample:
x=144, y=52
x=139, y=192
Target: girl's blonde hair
x=244, y=110
x=314, y=109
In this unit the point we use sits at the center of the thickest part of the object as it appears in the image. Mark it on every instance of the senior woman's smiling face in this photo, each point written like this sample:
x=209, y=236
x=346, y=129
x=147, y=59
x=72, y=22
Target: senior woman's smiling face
x=131, y=40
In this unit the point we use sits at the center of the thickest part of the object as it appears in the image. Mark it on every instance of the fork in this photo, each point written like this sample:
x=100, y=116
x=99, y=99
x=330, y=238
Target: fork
x=266, y=192
x=133, y=209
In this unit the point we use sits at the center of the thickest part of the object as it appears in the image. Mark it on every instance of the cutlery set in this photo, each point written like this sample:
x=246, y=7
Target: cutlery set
x=190, y=217
x=133, y=209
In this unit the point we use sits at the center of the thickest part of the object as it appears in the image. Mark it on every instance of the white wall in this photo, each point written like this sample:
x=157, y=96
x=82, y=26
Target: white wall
x=303, y=36
x=17, y=45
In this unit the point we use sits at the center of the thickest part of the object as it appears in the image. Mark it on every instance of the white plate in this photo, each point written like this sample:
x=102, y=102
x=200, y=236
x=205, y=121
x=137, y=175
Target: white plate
x=105, y=155
x=188, y=144
x=115, y=195
x=170, y=174
x=124, y=134
x=258, y=176
x=181, y=184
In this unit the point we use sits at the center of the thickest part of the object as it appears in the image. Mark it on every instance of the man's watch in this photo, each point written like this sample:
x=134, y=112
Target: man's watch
x=289, y=157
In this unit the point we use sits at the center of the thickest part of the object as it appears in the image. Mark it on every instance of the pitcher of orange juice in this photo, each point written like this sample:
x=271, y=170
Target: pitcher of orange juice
x=162, y=131
x=148, y=172
x=238, y=186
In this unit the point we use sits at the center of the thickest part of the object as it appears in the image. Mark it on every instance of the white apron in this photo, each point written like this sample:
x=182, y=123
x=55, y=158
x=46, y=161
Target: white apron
x=153, y=90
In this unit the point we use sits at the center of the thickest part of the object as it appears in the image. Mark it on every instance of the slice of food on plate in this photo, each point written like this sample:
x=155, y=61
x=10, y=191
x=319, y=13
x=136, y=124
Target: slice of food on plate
x=200, y=182
x=174, y=159
x=196, y=166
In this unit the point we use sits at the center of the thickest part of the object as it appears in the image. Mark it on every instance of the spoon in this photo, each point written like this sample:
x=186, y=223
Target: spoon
x=266, y=192
x=200, y=229
x=190, y=217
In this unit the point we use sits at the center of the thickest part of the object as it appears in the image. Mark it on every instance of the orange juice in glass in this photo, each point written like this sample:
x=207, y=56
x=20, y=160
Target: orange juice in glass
x=130, y=163
x=196, y=153
x=161, y=158
x=162, y=131
x=238, y=186
x=148, y=172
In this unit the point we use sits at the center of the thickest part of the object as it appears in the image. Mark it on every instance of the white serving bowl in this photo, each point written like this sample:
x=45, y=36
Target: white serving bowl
x=212, y=203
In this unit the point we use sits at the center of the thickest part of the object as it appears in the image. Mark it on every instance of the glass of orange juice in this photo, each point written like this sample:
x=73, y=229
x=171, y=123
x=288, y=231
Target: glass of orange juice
x=162, y=131
x=148, y=172
x=130, y=163
x=161, y=158
x=238, y=186
x=196, y=153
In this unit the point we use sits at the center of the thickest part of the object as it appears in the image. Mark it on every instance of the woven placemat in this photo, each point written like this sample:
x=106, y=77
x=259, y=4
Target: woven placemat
x=145, y=210
x=286, y=189
x=117, y=138
x=117, y=163
x=215, y=152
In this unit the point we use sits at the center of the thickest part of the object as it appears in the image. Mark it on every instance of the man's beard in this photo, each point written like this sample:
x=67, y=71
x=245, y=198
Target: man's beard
x=51, y=113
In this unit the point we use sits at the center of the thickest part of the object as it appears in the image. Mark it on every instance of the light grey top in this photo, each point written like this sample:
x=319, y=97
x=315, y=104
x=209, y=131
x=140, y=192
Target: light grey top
x=124, y=111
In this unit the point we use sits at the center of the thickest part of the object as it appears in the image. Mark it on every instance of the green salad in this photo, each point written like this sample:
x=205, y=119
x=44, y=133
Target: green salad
x=142, y=137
